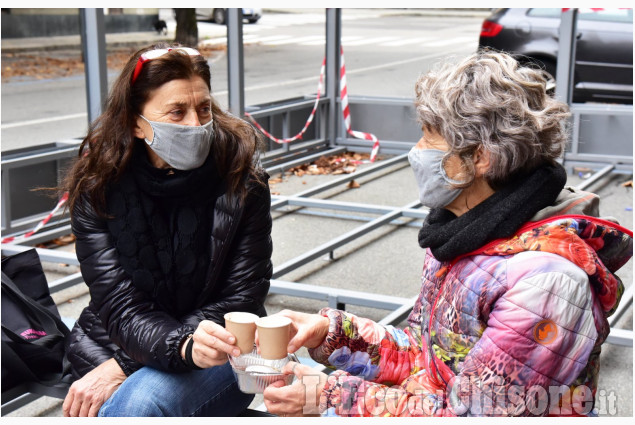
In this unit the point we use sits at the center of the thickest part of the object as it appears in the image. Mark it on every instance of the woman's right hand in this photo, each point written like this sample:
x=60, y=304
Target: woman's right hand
x=88, y=393
x=308, y=330
x=212, y=343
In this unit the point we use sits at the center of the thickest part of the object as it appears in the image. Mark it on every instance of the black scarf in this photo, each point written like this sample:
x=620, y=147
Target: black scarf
x=499, y=216
x=161, y=225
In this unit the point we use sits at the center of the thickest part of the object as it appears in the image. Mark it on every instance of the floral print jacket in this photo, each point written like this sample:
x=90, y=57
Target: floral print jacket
x=513, y=329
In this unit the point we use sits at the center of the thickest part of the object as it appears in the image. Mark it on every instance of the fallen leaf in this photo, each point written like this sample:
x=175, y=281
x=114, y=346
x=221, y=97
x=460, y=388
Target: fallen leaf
x=64, y=240
x=336, y=164
x=353, y=184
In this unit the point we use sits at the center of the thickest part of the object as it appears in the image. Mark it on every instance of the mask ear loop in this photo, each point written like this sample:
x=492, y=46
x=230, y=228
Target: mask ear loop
x=450, y=180
x=445, y=175
x=150, y=124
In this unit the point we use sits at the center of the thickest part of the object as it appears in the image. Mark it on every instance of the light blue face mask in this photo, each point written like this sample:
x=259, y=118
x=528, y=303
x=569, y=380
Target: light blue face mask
x=435, y=190
x=183, y=147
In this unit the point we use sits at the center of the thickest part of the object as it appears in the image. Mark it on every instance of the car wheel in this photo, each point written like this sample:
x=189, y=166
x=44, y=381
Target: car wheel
x=547, y=67
x=219, y=16
x=550, y=73
x=252, y=20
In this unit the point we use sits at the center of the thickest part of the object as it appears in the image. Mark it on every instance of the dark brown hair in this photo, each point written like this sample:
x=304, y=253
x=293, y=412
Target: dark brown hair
x=106, y=150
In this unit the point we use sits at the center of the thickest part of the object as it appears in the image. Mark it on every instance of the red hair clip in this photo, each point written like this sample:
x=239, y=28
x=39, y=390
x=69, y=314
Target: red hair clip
x=153, y=54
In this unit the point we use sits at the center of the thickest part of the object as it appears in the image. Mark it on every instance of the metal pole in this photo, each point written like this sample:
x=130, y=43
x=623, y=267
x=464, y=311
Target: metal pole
x=6, y=202
x=333, y=43
x=566, y=55
x=595, y=177
x=235, y=62
x=93, y=36
x=362, y=230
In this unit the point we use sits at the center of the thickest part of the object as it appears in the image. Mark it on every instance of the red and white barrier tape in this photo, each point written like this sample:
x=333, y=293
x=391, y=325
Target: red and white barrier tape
x=345, y=111
x=308, y=121
x=41, y=224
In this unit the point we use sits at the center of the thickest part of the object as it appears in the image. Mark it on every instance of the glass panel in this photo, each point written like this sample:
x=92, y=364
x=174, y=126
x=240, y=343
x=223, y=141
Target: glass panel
x=607, y=15
x=543, y=12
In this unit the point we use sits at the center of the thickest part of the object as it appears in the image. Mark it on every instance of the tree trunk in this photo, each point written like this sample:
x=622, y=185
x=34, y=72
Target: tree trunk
x=186, y=27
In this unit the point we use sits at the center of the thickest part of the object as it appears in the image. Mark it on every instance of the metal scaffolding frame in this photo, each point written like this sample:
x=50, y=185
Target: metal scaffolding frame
x=329, y=138
x=336, y=297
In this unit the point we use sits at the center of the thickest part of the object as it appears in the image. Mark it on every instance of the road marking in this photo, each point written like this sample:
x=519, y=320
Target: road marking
x=269, y=38
x=450, y=41
x=43, y=120
x=223, y=40
x=294, y=40
x=314, y=43
x=345, y=40
x=406, y=41
x=366, y=41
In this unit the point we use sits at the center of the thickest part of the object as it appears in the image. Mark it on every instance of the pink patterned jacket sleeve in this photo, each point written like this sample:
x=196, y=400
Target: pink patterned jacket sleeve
x=379, y=369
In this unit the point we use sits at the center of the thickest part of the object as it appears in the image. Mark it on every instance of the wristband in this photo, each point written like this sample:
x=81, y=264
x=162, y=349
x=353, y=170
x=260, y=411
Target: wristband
x=189, y=344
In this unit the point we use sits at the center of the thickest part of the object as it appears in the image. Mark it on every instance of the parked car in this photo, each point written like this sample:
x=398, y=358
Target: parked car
x=219, y=15
x=603, y=69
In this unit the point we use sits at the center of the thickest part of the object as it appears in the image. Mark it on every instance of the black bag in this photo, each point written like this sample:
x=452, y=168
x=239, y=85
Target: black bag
x=33, y=334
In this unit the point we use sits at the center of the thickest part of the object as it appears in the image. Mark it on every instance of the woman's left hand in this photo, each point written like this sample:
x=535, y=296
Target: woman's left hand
x=302, y=398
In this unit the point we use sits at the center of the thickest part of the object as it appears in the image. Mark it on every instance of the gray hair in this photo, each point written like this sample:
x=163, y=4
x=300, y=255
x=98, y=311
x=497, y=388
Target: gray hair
x=489, y=101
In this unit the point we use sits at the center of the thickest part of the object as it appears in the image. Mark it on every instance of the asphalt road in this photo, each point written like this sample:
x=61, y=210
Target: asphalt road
x=385, y=51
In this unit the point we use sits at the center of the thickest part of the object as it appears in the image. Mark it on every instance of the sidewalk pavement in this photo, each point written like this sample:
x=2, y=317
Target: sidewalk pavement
x=128, y=39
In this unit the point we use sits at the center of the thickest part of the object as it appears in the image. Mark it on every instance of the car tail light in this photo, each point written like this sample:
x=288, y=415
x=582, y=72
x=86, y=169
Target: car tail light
x=490, y=29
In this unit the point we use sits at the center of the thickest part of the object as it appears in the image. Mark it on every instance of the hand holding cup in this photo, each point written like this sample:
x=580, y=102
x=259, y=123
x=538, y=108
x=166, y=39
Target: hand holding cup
x=308, y=330
x=211, y=345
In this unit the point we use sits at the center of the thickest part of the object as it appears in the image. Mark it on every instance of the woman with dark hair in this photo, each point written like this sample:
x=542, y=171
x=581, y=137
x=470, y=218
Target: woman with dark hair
x=518, y=278
x=171, y=211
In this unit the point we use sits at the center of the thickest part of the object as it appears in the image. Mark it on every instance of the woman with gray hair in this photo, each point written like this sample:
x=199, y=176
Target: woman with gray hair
x=518, y=278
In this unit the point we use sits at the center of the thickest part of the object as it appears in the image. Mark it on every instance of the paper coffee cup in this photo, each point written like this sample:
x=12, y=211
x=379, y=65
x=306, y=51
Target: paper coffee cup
x=273, y=336
x=243, y=326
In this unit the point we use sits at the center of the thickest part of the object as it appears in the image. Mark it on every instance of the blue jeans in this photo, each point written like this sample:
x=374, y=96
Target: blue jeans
x=151, y=392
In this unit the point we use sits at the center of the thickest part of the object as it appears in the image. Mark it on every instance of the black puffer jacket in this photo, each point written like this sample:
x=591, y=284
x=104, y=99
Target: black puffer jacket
x=125, y=323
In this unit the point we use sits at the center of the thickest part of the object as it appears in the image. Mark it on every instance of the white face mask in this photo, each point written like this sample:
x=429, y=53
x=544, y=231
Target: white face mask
x=434, y=184
x=183, y=147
